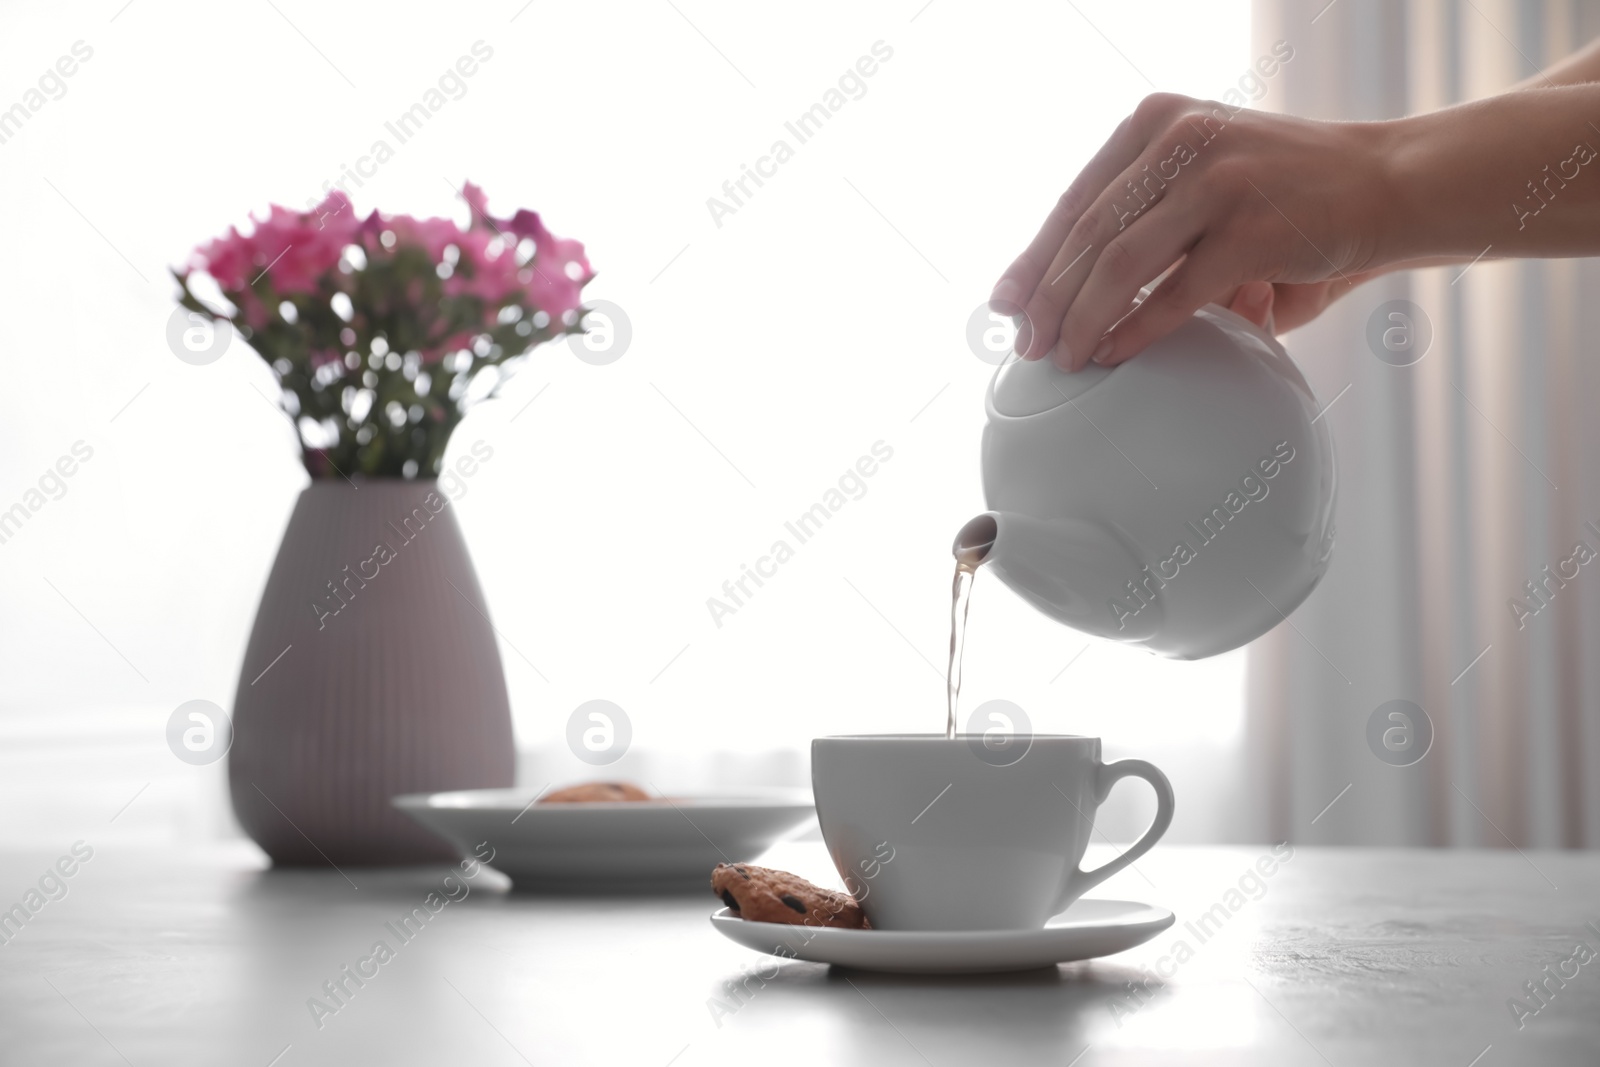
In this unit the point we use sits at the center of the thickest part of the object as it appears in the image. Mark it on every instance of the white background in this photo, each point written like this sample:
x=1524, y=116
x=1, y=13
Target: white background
x=768, y=354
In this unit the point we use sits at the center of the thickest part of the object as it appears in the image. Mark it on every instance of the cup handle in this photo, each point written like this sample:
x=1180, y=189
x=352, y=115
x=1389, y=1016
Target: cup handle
x=1107, y=775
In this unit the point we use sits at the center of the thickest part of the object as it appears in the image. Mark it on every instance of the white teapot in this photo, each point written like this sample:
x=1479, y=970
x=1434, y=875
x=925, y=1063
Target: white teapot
x=1182, y=501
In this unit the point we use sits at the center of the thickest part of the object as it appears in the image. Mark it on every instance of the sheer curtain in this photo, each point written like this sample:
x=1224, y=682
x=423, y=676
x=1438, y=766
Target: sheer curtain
x=1464, y=475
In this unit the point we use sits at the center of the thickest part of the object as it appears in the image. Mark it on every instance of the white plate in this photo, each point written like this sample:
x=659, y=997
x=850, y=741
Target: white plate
x=1088, y=929
x=650, y=845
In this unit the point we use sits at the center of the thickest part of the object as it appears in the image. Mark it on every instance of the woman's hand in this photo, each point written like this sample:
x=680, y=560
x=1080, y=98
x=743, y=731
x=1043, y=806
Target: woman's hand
x=1221, y=197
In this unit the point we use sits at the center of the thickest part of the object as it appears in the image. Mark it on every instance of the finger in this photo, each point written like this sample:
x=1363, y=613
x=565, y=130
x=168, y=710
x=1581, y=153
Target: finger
x=1126, y=142
x=1018, y=283
x=1203, y=277
x=1117, y=213
x=1253, y=301
x=1131, y=259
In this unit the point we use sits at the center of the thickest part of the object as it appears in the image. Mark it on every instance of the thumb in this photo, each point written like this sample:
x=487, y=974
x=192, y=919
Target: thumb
x=1253, y=301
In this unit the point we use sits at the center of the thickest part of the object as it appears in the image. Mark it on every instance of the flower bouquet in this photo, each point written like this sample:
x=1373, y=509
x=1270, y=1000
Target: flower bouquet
x=383, y=330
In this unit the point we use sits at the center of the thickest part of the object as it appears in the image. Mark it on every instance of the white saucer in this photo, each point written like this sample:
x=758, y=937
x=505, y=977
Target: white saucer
x=1088, y=929
x=614, y=846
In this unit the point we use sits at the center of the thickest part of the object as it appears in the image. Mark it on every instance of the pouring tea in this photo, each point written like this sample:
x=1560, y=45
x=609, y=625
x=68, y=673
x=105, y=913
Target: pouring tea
x=1181, y=501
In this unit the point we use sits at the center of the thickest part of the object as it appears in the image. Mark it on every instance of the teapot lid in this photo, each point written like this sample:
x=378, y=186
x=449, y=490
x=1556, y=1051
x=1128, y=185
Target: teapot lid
x=1029, y=387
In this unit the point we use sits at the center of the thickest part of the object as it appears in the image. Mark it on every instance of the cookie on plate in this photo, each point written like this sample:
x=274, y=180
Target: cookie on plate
x=590, y=792
x=762, y=894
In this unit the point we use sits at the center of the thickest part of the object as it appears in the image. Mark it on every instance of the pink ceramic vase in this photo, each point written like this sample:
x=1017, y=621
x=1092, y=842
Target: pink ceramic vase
x=371, y=671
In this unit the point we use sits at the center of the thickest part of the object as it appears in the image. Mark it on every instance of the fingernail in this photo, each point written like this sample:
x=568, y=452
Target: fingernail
x=1024, y=338
x=1007, y=297
x=1102, y=351
x=1063, y=356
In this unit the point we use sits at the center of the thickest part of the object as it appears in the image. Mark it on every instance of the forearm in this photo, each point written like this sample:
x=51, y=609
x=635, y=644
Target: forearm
x=1516, y=174
x=1581, y=67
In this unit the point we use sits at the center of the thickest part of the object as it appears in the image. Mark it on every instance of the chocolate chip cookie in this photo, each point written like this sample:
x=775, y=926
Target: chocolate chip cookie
x=589, y=792
x=762, y=894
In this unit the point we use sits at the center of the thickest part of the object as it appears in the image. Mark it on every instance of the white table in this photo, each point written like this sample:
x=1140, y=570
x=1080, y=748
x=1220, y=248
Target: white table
x=1347, y=957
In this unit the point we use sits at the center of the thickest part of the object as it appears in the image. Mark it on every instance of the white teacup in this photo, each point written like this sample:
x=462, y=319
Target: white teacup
x=929, y=834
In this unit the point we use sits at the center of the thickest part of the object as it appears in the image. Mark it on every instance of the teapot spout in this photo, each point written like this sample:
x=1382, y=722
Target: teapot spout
x=976, y=539
x=1076, y=571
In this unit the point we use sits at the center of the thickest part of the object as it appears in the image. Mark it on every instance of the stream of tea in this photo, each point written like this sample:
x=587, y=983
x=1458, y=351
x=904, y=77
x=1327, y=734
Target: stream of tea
x=967, y=560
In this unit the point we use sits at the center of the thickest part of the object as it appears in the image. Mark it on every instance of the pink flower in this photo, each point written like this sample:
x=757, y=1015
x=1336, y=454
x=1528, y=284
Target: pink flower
x=552, y=283
x=299, y=248
x=294, y=249
x=433, y=235
x=227, y=259
x=477, y=202
x=489, y=274
x=296, y=254
x=560, y=268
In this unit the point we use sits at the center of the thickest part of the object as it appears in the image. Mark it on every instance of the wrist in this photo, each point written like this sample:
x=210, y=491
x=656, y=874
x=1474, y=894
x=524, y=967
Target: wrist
x=1398, y=153
x=1504, y=173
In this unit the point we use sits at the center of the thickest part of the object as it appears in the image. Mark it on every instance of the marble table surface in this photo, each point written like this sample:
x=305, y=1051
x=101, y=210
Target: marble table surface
x=142, y=956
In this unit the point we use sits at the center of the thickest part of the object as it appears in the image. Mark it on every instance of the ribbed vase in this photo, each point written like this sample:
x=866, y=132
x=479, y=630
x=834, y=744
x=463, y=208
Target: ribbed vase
x=372, y=670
